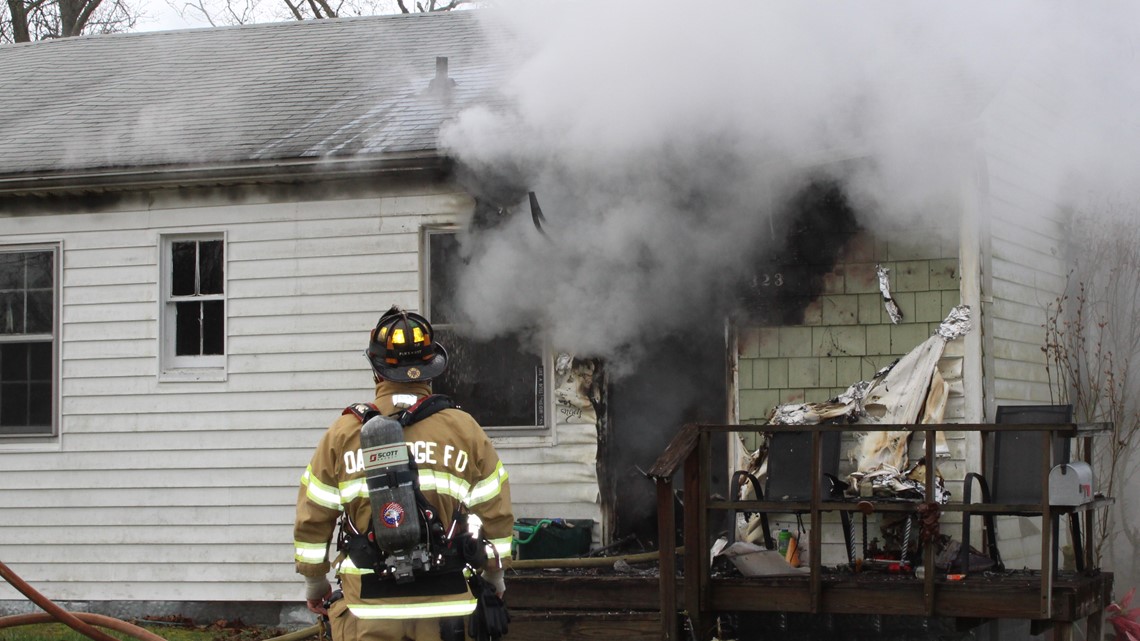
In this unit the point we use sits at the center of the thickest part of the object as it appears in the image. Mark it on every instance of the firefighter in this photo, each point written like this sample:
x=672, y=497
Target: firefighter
x=458, y=473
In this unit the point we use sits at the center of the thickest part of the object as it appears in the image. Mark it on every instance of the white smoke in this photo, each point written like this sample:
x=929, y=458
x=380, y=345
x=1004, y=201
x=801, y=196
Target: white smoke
x=661, y=137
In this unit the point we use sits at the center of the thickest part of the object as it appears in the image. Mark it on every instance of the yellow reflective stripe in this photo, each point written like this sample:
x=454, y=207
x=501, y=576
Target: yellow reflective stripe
x=348, y=567
x=503, y=545
x=319, y=493
x=353, y=489
x=489, y=487
x=413, y=610
x=444, y=483
x=309, y=552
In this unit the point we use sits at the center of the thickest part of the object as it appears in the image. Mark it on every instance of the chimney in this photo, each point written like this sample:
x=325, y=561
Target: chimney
x=441, y=84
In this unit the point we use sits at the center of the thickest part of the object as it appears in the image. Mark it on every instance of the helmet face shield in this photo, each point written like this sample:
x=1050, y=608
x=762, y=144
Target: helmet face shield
x=402, y=348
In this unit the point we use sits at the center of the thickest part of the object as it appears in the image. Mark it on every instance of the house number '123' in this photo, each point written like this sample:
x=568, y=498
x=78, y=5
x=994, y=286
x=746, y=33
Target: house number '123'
x=768, y=280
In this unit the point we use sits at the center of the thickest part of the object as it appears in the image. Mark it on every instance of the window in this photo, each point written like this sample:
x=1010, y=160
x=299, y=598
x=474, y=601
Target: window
x=502, y=381
x=194, y=306
x=27, y=341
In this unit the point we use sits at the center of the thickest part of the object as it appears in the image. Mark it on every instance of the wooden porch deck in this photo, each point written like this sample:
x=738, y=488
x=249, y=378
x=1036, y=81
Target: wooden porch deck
x=570, y=607
x=687, y=600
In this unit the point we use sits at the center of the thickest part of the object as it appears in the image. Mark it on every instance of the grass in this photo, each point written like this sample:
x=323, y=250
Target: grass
x=169, y=631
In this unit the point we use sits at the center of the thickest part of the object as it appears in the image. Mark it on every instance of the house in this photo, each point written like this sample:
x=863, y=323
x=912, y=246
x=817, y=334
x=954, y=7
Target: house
x=197, y=229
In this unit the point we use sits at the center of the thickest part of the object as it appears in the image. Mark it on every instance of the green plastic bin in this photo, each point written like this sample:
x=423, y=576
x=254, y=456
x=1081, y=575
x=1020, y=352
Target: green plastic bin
x=551, y=538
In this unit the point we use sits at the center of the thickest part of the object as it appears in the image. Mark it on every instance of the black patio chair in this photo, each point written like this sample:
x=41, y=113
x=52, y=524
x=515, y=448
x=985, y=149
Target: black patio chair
x=789, y=474
x=1013, y=470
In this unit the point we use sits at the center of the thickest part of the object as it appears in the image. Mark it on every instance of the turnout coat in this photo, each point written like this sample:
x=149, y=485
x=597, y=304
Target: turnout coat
x=457, y=465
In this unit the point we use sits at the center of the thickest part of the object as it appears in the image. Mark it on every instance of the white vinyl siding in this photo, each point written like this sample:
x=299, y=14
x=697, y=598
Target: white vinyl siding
x=187, y=488
x=1026, y=241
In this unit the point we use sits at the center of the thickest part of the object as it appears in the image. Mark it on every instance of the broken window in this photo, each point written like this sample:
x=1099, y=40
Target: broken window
x=27, y=341
x=501, y=381
x=194, y=318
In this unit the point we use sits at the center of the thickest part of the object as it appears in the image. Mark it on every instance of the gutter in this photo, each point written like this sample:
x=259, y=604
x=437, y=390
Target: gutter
x=128, y=178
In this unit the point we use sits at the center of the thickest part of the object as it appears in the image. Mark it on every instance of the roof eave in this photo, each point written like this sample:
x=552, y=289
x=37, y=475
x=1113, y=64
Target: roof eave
x=281, y=170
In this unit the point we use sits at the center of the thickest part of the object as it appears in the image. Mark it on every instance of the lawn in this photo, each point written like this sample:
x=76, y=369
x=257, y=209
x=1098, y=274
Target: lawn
x=177, y=631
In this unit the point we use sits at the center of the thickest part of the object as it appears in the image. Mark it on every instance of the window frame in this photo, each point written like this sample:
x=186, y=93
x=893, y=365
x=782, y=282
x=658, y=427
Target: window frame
x=172, y=367
x=545, y=430
x=56, y=250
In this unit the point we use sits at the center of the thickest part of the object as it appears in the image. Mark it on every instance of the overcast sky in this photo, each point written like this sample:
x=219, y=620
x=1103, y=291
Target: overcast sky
x=160, y=16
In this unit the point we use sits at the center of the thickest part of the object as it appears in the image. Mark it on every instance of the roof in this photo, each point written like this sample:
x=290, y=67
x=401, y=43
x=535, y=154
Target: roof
x=321, y=89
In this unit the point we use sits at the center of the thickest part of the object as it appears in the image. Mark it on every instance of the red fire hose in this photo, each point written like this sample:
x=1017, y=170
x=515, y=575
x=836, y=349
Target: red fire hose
x=84, y=623
x=75, y=622
x=83, y=617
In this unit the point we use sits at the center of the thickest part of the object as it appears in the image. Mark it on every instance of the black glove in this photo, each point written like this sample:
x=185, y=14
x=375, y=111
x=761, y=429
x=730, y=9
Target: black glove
x=490, y=619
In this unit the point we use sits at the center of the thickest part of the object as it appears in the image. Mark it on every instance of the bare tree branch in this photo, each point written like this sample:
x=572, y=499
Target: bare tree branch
x=1092, y=348
x=295, y=10
x=197, y=7
x=329, y=11
x=452, y=5
x=28, y=20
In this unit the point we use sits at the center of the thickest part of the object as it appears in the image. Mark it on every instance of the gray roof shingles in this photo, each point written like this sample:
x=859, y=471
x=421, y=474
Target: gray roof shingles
x=202, y=97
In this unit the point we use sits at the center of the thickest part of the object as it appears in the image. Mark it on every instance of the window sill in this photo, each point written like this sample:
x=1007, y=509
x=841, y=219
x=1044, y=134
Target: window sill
x=504, y=439
x=192, y=375
x=30, y=444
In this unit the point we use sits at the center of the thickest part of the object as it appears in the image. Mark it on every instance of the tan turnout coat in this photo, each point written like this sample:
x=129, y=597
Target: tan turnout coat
x=457, y=464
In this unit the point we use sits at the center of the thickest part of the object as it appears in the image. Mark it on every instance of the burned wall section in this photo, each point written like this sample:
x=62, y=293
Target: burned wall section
x=815, y=226
x=844, y=335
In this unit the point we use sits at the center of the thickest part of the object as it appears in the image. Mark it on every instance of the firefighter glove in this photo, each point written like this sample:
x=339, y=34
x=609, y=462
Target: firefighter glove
x=490, y=619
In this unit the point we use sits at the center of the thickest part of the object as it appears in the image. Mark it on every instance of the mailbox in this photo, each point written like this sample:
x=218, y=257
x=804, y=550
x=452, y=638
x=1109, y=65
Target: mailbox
x=1070, y=484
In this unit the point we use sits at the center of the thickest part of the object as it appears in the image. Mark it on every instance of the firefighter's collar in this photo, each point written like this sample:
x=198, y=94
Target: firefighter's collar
x=404, y=401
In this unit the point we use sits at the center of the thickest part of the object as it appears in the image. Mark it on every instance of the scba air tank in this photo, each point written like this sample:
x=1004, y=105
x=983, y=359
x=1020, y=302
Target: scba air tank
x=391, y=479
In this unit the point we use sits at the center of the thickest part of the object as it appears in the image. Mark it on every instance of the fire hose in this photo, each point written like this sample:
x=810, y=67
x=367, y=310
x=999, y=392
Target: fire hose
x=84, y=623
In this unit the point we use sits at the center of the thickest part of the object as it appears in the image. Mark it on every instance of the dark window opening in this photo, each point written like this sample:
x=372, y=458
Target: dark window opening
x=500, y=381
